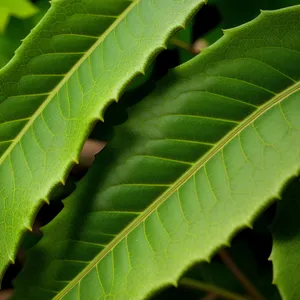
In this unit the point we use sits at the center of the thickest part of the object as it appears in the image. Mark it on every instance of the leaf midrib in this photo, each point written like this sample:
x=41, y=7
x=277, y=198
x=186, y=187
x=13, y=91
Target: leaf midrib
x=67, y=76
x=199, y=164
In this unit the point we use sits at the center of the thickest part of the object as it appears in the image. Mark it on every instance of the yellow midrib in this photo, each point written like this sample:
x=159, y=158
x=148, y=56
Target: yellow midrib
x=38, y=112
x=200, y=163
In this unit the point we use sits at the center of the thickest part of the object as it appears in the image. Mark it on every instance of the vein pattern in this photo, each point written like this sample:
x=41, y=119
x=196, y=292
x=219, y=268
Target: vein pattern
x=226, y=127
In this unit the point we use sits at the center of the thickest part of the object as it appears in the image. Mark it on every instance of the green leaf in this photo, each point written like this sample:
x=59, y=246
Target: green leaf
x=236, y=12
x=286, y=243
x=195, y=162
x=69, y=69
x=18, y=8
x=17, y=30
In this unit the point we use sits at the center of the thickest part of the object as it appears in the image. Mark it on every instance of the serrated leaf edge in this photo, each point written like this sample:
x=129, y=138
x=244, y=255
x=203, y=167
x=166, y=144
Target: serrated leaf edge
x=94, y=119
x=225, y=140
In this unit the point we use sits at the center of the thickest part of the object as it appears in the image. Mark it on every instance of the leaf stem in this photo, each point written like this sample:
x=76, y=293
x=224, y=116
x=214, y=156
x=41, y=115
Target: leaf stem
x=201, y=286
x=183, y=45
x=248, y=286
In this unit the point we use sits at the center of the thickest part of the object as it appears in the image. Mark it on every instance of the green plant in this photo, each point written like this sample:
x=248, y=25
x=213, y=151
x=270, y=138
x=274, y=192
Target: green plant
x=19, y=8
x=196, y=161
x=94, y=51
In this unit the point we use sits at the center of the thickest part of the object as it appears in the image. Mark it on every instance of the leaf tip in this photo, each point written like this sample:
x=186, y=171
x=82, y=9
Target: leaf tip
x=270, y=258
x=46, y=200
x=42, y=230
x=226, y=31
x=101, y=117
x=75, y=161
x=182, y=26
x=28, y=227
x=227, y=244
x=249, y=225
x=274, y=279
x=208, y=260
x=143, y=72
x=174, y=283
x=263, y=12
x=163, y=47
x=11, y=259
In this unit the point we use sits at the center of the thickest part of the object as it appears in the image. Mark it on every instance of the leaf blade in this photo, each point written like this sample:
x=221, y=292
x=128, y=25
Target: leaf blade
x=181, y=206
x=284, y=254
x=63, y=72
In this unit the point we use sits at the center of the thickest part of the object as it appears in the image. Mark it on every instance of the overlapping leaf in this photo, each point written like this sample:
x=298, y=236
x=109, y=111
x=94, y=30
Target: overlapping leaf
x=18, y=29
x=18, y=8
x=197, y=160
x=285, y=254
x=236, y=12
x=73, y=64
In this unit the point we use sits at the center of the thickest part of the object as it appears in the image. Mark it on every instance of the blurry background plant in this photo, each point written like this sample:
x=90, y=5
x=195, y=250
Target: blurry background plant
x=239, y=272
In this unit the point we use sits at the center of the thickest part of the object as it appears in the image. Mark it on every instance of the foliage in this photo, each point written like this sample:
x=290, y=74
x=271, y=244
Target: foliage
x=285, y=255
x=196, y=161
x=247, y=10
x=16, y=30
x=18, y=8
x=67, y=71
x=157, y=197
